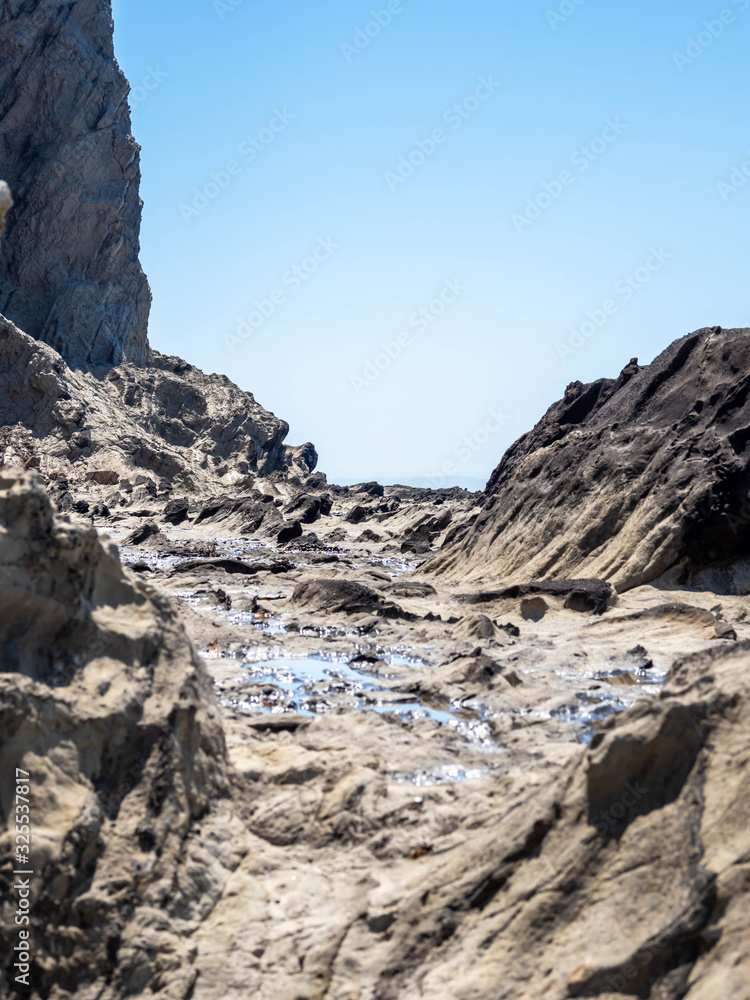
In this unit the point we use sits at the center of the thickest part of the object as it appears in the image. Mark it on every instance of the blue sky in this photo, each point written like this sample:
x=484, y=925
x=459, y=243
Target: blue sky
x=406, y=227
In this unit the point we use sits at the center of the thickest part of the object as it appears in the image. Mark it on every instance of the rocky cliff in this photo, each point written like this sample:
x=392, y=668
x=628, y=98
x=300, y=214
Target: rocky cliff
x=628, y=479
x=81, y=393
x=69, y=270
x=6, y=203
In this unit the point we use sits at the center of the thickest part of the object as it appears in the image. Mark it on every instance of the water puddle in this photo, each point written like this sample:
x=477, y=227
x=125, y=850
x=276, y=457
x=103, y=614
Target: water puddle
x=154, y=560
x=445, y=774
x=315, y=684
x=261, y=621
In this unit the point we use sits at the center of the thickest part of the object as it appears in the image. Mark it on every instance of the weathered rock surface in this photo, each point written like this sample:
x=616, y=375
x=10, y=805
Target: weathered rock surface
x=180, y=428
x=481, y=853
x=418, y=818
x=105, y=703
x=69, y=270
x=628, y=479
x=390, y=800
x=627, y=876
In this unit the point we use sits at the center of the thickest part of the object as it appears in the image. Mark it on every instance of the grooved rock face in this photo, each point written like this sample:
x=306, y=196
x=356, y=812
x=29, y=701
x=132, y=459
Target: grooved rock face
x=628, y=479
x=69, y=270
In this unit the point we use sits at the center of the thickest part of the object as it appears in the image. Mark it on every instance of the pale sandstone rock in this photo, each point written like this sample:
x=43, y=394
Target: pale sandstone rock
x=104, y=701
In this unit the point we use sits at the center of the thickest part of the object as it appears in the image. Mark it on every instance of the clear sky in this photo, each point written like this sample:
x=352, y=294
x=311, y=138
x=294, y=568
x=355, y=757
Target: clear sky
x=429, y=200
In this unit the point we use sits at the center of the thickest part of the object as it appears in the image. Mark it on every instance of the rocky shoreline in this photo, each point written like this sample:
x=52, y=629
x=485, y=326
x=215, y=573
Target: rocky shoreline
x=378, y=784
x=263, y=735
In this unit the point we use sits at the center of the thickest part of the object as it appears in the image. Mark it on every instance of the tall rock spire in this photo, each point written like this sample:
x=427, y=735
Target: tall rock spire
x=69, y=269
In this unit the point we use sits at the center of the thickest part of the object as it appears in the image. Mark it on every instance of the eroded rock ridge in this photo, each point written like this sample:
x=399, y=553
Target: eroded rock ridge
x=628, y=479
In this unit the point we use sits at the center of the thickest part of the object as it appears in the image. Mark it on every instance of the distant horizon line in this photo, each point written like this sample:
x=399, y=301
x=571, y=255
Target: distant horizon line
x=471, y=483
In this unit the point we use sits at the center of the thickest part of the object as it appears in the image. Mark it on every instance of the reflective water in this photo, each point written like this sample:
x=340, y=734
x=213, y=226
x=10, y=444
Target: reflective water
x=316, y=684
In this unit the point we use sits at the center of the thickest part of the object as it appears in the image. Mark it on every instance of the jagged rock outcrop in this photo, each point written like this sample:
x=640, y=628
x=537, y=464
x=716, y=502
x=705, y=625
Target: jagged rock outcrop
x=628, y=479
x=104, y=702
x=96, y=401
x=69, y=270
x=169, y=421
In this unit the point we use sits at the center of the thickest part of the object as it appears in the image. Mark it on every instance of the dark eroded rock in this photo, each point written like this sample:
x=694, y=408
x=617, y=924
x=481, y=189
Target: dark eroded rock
x=146, y=530
x=628, y=479
x=289, y=532
x=344, y=596
x=176, y=511
x=69, y=270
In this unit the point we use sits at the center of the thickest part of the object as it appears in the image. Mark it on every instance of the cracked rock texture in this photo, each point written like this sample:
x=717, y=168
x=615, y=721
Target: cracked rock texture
x=627, y=876
x=629, y=480
x=69, y=269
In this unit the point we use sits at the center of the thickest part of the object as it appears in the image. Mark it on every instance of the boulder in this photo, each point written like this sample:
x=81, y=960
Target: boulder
x=357, y=514
x=290, y=531
x=307, y=508
x=144, y=531
x=344, y=597
x=369, y=489
x=176, y=511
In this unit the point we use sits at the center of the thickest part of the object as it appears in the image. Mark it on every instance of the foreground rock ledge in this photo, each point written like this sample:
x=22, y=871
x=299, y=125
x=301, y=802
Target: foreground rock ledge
x=104, y=701
x=628, y=877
